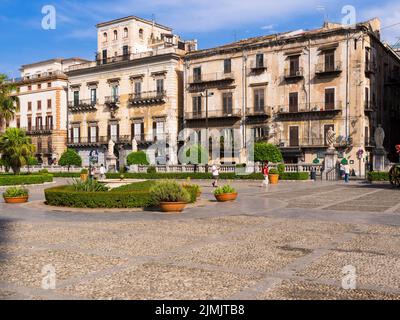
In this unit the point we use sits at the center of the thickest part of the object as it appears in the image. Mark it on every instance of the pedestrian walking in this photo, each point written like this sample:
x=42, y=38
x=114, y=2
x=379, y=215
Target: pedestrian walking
x=346, y=173
x=102, y=172
x=266, y=175
x=215, y=174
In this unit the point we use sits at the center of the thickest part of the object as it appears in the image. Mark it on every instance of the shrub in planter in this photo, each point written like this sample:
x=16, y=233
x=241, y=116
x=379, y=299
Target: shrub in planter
x=194, y=191
x=44, y=171
x=273, y=176
x=170, y=196
x=294, y=176
x=267, y=152
x=84, y=174
x=225, y=193
x=16, y=195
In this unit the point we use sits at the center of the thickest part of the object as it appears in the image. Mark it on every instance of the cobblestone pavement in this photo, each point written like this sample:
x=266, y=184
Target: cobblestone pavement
x=289, y=241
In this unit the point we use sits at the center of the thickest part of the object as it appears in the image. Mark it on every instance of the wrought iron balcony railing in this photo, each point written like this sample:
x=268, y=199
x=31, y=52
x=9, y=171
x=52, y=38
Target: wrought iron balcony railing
x=293, y=74
x=121, y=139
x=83, y=105
x=211, y=77
x=147, y=98
x=233, y=113
x=44, y=129
x=328, y=69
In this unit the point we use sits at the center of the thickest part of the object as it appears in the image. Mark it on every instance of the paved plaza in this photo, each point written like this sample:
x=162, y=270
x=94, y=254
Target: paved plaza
x=290, y=241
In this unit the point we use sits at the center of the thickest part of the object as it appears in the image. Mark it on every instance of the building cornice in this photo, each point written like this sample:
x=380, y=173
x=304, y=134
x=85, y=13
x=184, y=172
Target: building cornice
x=125, y=64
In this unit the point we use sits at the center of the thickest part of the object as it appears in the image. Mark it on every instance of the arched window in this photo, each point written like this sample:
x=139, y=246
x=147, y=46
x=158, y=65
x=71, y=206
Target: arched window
x=115, y=35
x=126, y=33
x=105, y=36
x=141, y=32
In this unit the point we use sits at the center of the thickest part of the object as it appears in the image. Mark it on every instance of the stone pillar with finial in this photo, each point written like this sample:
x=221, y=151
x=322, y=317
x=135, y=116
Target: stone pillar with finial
x=331, y=155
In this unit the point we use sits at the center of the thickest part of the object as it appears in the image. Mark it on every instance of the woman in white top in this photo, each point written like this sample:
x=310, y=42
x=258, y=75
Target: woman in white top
x=215, y=174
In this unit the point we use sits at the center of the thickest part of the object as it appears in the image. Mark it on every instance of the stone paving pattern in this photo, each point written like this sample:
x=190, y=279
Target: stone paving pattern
x=289, y=241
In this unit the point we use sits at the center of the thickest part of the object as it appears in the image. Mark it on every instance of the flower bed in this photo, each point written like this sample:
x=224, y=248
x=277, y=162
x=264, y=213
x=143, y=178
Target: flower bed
x=16, y=180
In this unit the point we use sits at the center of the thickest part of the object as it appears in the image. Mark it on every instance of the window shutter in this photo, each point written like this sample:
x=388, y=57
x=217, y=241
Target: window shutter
x=89, y=136
x=142, y=131
x=79, y=134
x=97, y=134
x=118, y=131
x=132, y=130
x=108, y=132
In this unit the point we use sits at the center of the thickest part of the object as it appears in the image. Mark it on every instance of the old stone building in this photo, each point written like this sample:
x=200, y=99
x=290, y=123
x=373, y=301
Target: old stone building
x=42, y=94
x=290, y=88
x=132, y=94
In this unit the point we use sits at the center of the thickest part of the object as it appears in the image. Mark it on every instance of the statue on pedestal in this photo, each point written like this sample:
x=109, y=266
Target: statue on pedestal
x=134, y=145
x=331, y=139
x=379, y=137
x=111, y=146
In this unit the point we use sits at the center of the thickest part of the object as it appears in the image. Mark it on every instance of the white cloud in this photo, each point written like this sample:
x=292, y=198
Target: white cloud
x=389, y=15
x=200, y=16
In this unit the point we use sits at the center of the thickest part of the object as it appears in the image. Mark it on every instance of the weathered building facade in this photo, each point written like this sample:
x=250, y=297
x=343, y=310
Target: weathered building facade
x=132, y=94
x=42, y=95
x=290, y=88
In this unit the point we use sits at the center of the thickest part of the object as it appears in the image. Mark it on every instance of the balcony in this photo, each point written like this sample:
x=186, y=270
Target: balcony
x=44, y=151
x=305, y=143
x=213, y=114
x=147, y=98
x=44, y=76
x=324, y=69
x=293, y=74
x=210, y=80
x=112, y=102
x=39, y=130
x=303, y=111
x=369, y=107
x=258, y=112
x=257, y=68
x=121, y=140
x=370, y=68
x=86, y=105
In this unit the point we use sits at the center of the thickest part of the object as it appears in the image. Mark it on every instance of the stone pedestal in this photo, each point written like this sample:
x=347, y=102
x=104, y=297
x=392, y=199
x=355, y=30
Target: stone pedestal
x=379, y=159
x=331, y=160
x=111, y=163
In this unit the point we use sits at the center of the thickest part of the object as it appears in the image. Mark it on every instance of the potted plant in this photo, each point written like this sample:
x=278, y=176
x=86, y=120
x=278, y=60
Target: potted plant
x=273, y=176
x=84, y=175
x=193, y=189
x=225, y=193
x=16, y=195
x=170, y=196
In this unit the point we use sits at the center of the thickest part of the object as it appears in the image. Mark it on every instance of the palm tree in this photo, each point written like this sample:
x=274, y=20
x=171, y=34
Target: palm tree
x=8, y=101
x=16, y=149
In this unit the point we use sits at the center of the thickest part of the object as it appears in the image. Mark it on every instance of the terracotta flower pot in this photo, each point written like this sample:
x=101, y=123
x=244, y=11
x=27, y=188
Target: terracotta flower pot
x=172, y=206
x=84, y=177
x=273, y=178
x=226, y=197
x=16, y=199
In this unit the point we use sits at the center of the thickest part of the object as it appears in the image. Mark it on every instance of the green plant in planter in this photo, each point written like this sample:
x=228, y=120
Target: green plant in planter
x=267, y=152
x=224, y=190
x=281, y=168
x=169, y=191
x=84, y=171
x=89, y=186
x=15, y=192
x=137, y=158
x=273, y=171
x=193, y=189
x=44, y=171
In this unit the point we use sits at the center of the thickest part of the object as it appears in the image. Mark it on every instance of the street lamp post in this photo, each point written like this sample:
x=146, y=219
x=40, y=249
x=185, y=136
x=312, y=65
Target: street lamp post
x=207, y=94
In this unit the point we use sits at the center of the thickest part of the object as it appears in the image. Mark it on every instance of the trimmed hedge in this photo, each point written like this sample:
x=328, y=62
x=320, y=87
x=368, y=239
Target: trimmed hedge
x=16, y=180
x=66, y=196
x=194, y=176
x=378, y=176
x=294, y=176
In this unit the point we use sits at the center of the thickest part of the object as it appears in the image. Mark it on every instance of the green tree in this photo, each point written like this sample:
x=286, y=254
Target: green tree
x=16, y=149
x=137, y=158
x=70, y=158
x=8, y=102
x=267, y=152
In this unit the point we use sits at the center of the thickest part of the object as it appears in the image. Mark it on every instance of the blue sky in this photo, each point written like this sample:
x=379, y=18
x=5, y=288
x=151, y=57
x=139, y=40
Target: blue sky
x=212, y=22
